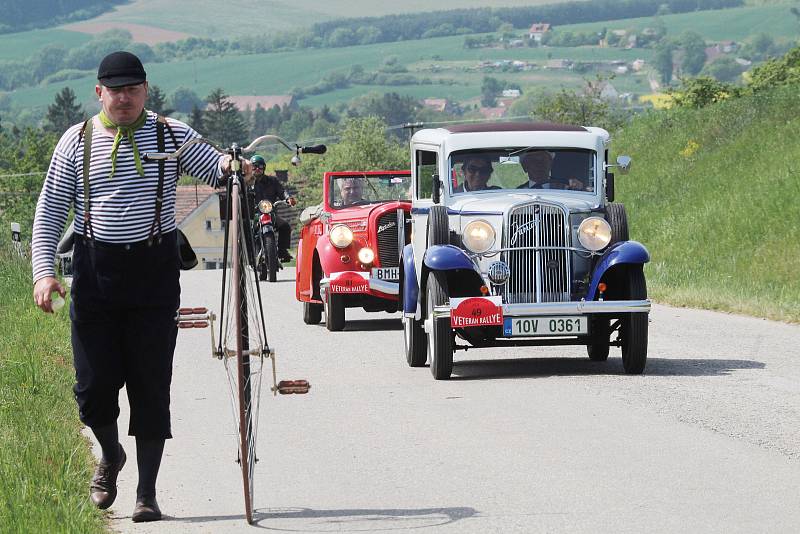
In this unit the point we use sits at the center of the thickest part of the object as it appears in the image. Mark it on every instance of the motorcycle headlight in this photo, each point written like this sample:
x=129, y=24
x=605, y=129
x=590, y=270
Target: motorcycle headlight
x=478, y=236
x=265, y=206
x=341, y=236
x=594, y=233
x=366, y=255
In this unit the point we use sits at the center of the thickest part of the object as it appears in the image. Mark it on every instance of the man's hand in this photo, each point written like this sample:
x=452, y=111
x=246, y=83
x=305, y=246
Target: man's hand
x=247, y=167
x=292, y=201
x=576, y=185
x=42, y=290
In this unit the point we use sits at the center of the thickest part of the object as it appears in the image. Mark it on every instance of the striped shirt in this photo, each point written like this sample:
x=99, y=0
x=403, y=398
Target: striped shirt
x=122, y=207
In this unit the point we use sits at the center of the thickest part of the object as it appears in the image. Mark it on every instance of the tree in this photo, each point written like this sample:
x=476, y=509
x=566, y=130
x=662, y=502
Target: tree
x=490, y=88
x=156, y=100
x=662, y=61
x=724, y=69
x=184, y=100
x=64, y=112
x=694, y=53
x=196, y=120
x=221, y=119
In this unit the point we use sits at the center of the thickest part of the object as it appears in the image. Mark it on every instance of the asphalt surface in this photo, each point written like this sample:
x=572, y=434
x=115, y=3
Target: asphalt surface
x=523, y=440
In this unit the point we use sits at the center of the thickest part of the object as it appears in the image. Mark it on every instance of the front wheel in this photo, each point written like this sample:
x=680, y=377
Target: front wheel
x=598, y=349
x=633, y=329
x=271, y=257
x=440, y=337
x=334, y=313
x=415, y=342
x=312, y=313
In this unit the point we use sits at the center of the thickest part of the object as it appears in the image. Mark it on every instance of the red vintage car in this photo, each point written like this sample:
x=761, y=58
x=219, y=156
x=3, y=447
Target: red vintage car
x=349, y=250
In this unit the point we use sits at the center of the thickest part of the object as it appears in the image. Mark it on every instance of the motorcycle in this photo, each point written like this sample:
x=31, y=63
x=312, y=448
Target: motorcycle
x=266, y=240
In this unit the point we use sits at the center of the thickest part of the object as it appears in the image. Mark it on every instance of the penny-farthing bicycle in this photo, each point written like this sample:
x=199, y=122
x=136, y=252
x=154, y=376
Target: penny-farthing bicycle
x=242, y=343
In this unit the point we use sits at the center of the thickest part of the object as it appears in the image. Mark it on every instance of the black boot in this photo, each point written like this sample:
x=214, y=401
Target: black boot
x=148, y=458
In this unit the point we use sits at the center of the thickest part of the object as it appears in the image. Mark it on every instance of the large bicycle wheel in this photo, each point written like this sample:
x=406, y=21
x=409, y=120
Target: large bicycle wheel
x=244, y=342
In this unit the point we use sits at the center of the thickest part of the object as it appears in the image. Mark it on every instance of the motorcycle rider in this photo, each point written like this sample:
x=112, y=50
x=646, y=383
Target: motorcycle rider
x=270, y=188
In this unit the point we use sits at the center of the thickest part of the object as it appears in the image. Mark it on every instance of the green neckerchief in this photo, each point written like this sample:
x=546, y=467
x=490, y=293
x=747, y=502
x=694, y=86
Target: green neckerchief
x=126, y=131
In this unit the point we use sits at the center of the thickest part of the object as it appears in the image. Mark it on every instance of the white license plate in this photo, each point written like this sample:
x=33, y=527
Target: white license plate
x=545, y=326
x=392, y=274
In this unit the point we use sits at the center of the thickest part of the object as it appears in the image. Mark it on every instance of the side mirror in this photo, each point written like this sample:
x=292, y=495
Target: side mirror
x=436, y=186
x=610, y=186
x=624, y=164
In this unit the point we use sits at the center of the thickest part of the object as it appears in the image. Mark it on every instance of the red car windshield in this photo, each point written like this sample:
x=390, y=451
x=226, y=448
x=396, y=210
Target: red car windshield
x=360, y=189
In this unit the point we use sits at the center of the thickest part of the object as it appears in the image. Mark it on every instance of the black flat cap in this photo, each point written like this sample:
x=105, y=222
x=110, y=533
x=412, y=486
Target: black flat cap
x=119, y=69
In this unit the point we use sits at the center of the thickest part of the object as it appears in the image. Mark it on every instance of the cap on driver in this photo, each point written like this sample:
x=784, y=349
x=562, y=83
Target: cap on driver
x=119, y=69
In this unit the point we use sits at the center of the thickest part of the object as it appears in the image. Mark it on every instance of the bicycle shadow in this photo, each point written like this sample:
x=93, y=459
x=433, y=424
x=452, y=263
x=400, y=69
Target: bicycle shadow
x=357, y=519
x=546, y=367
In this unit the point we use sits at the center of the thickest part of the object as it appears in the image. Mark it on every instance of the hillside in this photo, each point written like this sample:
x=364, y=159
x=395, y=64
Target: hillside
x=453, y=70
x=18, y=16
x=714, y=194
x=209, y=19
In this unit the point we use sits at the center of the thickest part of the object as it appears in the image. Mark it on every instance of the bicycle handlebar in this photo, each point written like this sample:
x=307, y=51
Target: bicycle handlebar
x=156, y=156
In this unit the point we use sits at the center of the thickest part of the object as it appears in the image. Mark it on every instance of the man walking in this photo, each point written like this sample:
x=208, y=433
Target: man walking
x=125, y=288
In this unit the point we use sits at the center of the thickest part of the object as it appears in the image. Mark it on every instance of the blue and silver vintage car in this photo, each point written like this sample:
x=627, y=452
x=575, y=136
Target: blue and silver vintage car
x=517, y=241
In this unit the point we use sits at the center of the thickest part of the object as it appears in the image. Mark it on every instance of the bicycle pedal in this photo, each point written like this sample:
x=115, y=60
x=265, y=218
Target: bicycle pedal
x=192, y=324
x=192, y=311
x=288, y=387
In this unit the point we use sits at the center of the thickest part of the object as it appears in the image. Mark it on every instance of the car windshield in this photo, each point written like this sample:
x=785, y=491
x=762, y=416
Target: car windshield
x=359, y=189
x=565, y=169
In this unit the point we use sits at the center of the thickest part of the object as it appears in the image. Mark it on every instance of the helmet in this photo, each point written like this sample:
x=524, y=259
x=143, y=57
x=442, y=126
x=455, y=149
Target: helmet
x=258, y=160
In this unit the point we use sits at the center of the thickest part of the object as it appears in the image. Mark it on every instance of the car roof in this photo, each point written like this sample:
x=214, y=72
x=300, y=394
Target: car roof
x=514, y=127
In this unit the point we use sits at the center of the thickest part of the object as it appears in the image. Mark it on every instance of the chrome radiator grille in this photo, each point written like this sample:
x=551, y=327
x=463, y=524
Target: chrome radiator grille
x=540, y=269
x=388, y=251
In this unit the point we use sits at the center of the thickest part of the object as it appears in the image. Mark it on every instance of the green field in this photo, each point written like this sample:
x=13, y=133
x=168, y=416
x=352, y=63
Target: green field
x=280, y=72
x=714, y=196
x=19, y=46
x=726, y=24
x=210, y=19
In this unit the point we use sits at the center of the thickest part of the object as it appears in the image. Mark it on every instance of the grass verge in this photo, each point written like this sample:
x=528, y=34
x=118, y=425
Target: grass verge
x=714, y=194
x=45, y=463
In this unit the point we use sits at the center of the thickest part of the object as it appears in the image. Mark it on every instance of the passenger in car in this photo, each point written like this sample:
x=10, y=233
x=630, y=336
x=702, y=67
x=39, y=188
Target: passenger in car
x=477, y=172
x=538, y=165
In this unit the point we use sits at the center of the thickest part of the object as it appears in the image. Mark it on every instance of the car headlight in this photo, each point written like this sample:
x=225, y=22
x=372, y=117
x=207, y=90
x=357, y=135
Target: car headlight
x=265, y=206
x=341, y=236
x=478, y=236
x=366, y=256
x=594, y=233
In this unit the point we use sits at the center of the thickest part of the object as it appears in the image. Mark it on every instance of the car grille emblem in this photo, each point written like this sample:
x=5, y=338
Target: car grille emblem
x=386, y=226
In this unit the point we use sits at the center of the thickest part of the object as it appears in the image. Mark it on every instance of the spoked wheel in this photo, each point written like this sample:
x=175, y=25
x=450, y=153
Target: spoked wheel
x=243, y=342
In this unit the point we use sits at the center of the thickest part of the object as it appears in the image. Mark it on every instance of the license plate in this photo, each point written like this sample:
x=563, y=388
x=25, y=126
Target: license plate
x=392, y=274
x=545, y=326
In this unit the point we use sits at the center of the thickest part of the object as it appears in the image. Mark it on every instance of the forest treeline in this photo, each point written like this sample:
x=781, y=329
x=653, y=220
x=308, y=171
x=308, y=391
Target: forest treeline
x=16, y=16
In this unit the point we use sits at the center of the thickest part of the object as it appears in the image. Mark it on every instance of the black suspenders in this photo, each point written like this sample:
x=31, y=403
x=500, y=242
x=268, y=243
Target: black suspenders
x=86, y=132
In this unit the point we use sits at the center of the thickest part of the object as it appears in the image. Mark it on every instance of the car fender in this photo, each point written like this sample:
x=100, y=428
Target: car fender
x=446, y=258
x=409, y=286
x=625, y=252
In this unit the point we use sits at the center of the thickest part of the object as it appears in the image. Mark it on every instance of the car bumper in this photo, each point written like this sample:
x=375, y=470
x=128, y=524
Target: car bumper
x=375, y=287
x=577, y=308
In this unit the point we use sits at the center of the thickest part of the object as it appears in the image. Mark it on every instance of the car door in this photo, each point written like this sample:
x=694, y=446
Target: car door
x=425, y=165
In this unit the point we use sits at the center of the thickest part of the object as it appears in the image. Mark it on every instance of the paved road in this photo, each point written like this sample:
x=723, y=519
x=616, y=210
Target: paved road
x=524, y=440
